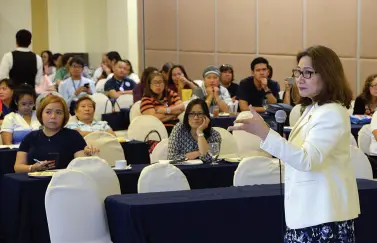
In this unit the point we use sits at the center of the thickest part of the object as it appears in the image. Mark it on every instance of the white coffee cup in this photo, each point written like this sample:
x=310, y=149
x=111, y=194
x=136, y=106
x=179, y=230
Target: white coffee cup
x=121, y=164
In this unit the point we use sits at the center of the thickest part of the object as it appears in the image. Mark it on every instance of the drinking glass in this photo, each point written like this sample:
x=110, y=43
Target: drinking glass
x=214, y=151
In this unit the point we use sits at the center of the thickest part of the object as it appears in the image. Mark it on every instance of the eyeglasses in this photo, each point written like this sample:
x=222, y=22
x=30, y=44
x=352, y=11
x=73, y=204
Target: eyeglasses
x=305, y=73
x=373, y=86
x=76, y=66
x=157, y=83
x=196, y=114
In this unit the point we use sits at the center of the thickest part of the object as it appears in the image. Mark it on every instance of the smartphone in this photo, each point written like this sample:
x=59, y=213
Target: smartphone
x=291, y=80
x=86, y=85
x=55, y=158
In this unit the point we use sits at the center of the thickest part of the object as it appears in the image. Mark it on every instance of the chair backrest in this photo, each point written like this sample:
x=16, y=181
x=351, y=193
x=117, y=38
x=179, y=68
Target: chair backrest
x=281, y=94
x=248, y=144
x=160, y=152
x=103, y=105
x=125, y=101
x=228, y=147
x=135, y=110
x=75, y=212
x=353, y=141
x=162, y=178
x=294, y=115
x=109, y=146
x=142, y=125
x=100, y=85
x=257, y=170
x=361, y=164
x=100, y=171
x=365, y=138
x=199, y=82
x=350, y=110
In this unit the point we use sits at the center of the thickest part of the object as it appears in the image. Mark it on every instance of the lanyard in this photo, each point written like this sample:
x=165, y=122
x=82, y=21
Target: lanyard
x=74, y=86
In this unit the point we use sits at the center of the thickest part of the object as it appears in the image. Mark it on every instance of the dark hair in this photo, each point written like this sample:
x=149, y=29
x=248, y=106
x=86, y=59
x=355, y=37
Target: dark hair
x=113, y=55
x=50, y=58
x=270, y=70
x=166, y=67
x=23, y=38
x=258, y=60
x=225, y=68
x=129, y=64
x=65, y=58
x=56, y=56
x=21, y=91
x=170, y=78
x=365, y=94
x=149, y=92
x=145, y=74
x=77, y=60
x=335, y=85
x=8, y=82
x=203, y=104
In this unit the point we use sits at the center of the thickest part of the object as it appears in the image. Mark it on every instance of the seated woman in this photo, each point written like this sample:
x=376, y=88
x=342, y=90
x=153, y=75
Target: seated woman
x=6, y=98
x=23, y=120
x=85, y=124
x=130, y=72
x=179, y=80
x=54, y=145
x=366, y=102
x=291, y=96
x=161, y=102
x=166, y=69
x=138, y=91
x=190, y=139
x=48, y=63
x=212, y=92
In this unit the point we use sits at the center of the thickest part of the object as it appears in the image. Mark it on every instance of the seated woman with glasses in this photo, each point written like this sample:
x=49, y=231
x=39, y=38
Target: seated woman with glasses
x=23, y=120
x=178, y=80
x=85, y=123
x=160, y=101
x=366, y=102
x=190, y=139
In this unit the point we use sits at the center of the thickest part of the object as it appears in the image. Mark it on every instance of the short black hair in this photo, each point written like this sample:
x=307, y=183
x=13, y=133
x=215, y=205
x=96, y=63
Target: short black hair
x=203, y=104
x=271, y=70
x=65, y=58
x=56, y=56
x=113, y=55
x=77, y=60
x=227, y=67
x=129, y=64
x=21, y=91
x=258, y=60
x=166, y=67
x=23, y=38
x=8, y=82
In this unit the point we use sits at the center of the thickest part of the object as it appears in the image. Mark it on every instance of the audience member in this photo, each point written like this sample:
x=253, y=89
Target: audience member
x=57, y=59
x=84, y=122
x=119, y=84
x=62, y=71
x=212, y=92
x=6, y=97
x=76, y=85
x=111, y=58
x=178, y=80
x=130, y=72
x=366, y=102
x=291, y=95
x=257, y=88
x=22, y=65
x=98, y=72
x=53, y=146
x=160, y=101
x=166, y=69
x=190, y=139
x=48, y=63
x=23, y=120
x=227, y=78
x=138, y=91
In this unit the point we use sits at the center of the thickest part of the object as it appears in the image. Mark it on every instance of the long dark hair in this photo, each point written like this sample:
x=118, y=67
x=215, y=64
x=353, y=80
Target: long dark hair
x=145, y=74
x=365, y=94
x=203, y=104
x=149, y=92
x=170, y=79
x=129, y=64
x=50, y=60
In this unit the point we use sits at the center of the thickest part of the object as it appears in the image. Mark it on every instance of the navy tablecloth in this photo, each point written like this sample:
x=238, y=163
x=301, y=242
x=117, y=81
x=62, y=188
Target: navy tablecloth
x=23, y=209
x=233, y=214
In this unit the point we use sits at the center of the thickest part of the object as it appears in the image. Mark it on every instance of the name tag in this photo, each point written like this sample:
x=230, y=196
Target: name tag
x=128, y=84
x=121, y=89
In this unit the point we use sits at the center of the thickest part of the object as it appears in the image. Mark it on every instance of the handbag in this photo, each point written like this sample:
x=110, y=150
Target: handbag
x=117, y=120
x=152, y=143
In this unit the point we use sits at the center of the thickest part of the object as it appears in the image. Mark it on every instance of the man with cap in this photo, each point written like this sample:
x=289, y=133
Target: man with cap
x=211, y=90
x=22, y=65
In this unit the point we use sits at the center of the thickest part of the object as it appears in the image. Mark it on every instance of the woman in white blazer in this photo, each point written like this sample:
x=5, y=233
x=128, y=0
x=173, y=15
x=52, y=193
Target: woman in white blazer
x=321, y=197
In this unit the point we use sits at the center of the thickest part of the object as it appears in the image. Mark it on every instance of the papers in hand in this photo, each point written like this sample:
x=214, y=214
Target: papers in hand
x=187, y=162
x=13, y=146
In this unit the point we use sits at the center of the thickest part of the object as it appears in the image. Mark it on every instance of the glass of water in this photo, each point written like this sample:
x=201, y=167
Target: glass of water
x=214, y=151
x=265, y=104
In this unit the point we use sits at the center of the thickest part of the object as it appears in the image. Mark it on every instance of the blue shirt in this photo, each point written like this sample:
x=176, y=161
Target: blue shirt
x=5, y=111
x=117, y=85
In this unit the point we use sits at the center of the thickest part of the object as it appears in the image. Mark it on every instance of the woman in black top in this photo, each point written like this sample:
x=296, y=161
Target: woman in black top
x=366, y=102
x=54, y=145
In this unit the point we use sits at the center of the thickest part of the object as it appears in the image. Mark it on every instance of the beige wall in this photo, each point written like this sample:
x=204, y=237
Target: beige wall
x=197, y=33
x=39, y=20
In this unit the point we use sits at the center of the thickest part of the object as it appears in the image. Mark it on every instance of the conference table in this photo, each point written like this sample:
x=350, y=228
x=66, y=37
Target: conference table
x=23, y=216
x=233, y=214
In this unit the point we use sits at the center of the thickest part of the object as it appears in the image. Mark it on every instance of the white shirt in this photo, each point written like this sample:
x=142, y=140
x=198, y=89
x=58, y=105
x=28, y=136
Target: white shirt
x=134, y=77
x=68, y=88
x=373, y=144
x=97, y=74
x=7, y=64
x=14, y=123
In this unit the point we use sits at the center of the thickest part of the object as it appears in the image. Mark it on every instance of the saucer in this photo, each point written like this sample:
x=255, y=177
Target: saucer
x=120, y=169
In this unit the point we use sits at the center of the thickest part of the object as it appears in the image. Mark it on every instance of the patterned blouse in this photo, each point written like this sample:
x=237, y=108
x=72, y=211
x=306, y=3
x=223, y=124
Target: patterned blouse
x=181, y=142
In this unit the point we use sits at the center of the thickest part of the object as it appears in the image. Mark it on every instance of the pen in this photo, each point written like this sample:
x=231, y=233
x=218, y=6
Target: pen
x=35, y=160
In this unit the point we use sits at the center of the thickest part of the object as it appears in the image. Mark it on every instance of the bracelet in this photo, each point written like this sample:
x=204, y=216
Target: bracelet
x=168, y=111
x=201, y=135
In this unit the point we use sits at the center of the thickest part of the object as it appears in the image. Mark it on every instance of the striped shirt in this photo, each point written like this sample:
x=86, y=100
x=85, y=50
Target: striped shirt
x=151, y=103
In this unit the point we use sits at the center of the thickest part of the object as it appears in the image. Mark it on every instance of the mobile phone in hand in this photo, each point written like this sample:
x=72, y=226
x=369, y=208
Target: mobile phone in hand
x=86, y=85
x=291, y=80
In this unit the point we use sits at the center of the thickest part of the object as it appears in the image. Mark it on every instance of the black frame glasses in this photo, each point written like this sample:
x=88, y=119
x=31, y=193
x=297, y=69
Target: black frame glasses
x=195, y=114
x=306, y=73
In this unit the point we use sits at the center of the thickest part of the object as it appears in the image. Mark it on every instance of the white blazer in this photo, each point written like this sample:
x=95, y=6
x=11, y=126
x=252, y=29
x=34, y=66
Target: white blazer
x=320, y=185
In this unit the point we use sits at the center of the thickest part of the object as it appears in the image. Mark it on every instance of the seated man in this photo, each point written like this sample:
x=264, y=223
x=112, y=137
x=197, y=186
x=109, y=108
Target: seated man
x=76, y=85
x=257, y=88
x=84, y=122
x=119, y=84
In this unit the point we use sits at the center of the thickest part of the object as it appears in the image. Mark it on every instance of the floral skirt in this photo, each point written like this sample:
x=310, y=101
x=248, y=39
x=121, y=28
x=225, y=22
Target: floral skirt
x=334, y=232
